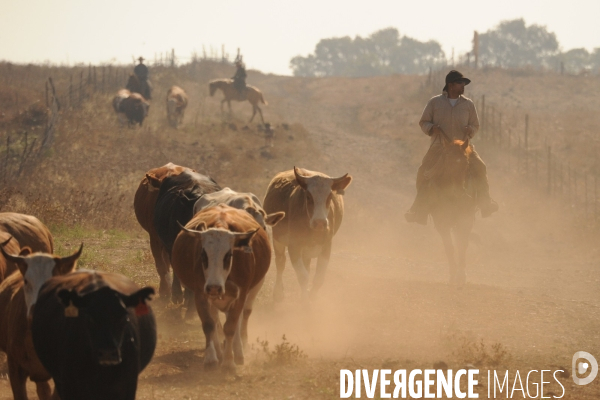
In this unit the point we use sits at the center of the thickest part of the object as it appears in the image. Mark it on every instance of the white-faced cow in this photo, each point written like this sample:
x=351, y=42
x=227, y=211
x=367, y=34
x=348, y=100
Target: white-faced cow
x=175, y=206
x=18, y=294
x=242, y=201
x=314, y=207
x=94, y=333
x=223, y=255
x=130, y=107
x=144, y=203
x=177, y=102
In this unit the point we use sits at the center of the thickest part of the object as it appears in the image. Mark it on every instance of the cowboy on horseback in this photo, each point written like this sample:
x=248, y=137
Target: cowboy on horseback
x=239, y=79
x=142, y=73
x=448, y=117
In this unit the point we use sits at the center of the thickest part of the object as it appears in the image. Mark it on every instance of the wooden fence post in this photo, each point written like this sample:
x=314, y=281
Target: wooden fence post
x=549, y=169
x=526, y=144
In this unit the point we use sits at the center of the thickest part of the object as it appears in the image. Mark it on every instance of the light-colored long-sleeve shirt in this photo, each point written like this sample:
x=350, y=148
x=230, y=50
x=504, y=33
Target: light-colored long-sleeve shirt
x=451, y=119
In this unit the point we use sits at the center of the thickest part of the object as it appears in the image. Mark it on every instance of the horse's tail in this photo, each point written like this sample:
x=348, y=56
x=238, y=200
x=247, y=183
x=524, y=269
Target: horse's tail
x=262, y=99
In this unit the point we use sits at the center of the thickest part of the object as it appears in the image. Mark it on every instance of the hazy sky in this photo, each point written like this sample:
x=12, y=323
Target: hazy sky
x=269, y=32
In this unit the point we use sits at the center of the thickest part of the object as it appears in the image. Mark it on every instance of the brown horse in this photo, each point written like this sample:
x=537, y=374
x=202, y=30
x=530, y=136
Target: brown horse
x=453, y=203
x=252, y=94
x=135, y=85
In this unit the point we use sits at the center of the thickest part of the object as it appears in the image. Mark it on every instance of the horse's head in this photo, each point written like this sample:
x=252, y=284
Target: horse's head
x=133, y=84
x=450, y=172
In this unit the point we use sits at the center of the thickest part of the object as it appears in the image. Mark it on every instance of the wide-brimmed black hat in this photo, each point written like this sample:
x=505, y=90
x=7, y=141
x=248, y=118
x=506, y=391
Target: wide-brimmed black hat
x=455, y=76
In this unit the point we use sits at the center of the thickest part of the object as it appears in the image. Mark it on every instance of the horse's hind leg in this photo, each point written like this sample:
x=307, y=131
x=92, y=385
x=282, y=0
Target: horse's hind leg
x=253, y=112
x=261, y=116
x=449, y=247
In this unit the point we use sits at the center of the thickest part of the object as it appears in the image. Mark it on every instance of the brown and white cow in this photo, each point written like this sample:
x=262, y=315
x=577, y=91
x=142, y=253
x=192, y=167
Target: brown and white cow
x=177, y=102
x=223, y=255
x=314, y=207
x=18, y=294
x=242, y=201
x=143, y=204
x=28, y=231
x=130, y=107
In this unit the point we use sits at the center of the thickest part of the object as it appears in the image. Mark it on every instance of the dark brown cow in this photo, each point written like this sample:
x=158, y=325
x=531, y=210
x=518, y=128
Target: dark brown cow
x=314, y=207
x=18, y=293
x=94, y=332
x=177, y=102
x=28, y=230
x=223, y=255
x=143, y=204
x=130, y=106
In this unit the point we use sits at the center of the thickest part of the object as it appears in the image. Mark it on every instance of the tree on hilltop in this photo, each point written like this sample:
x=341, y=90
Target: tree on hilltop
x=512, y=44
x=383, y=52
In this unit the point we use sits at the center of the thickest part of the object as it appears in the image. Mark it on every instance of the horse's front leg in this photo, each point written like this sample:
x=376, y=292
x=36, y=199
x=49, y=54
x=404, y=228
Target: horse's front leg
x=223, y=101
x=449, y=247
x=461, y=235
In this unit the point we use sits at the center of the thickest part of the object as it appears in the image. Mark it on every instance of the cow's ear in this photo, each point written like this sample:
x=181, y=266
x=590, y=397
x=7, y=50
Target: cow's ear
x=139, y=300
x=341, y=183
x=71, y=300
x=242, y=241
x=153, y=180
x=18, y=260
x=273, y=219
x=67, y=264
x=25, y=251
x=300, y=179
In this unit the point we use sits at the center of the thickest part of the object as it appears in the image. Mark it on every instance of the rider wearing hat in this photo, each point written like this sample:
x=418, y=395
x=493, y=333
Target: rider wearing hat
x=452, y=116
x=239, y=79
x=141, y=71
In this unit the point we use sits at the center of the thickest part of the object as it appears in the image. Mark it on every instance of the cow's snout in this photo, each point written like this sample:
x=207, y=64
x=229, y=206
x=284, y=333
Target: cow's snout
x=214, y=290
x=109, y=356
x=320, y=224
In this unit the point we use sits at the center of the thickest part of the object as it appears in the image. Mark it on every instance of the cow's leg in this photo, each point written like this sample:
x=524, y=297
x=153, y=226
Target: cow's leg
x=248, y=310
x=280, y=264
x=449, y=247
x=211, y=359
x=18, y=379
x=230, y=327
x=322, y=262
x=162, y=265
x=238, y=346
x=188, y=294
x=176, y=291
x=218, y=336
x=306, y=260
x=295, y=253
x=222, y=101
x=43, y=390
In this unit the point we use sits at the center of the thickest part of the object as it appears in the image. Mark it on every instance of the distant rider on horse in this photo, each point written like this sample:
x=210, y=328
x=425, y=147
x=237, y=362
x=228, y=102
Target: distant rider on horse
x=450, y=116
x=142, y=73
x=239, y=79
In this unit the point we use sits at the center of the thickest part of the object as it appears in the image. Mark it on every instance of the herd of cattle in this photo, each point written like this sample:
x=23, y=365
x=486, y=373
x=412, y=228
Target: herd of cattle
x=93, y=332
x=132, y=108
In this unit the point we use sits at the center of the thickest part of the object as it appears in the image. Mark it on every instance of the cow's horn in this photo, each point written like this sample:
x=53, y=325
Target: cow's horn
x=9, y=257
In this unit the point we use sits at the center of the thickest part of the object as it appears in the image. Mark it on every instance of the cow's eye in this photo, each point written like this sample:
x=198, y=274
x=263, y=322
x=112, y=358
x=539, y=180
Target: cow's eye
x=227, y=260
x=25, y=282
x=204, y=259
